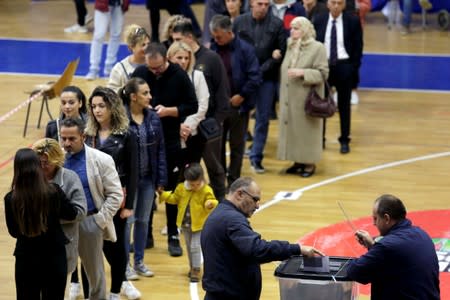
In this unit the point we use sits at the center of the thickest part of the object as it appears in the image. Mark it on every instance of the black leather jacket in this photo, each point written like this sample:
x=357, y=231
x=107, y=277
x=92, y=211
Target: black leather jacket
x=266, y=36
x=123, y=150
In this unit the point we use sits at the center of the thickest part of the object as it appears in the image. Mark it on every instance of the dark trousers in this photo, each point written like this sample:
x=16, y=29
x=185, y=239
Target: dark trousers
x=154, y=6
x=216, y=171
x=81, y=11
x=174, y=165
x=116, y=255
x=234, y=127
x=41, y=275
x=340, y=77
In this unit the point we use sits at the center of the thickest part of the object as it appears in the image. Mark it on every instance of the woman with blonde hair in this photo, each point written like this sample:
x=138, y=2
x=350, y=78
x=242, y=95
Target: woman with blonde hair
x=108, y=130
x=180, y=53
x=52, y=159
x=168, y=28
x=305, y=66
x=137, y=39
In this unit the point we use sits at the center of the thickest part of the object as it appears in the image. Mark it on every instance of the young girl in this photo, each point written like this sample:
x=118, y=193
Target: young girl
x=195, y=200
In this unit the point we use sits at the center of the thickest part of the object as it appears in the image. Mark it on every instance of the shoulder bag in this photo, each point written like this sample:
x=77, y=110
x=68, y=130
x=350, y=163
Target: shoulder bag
x=318, y=107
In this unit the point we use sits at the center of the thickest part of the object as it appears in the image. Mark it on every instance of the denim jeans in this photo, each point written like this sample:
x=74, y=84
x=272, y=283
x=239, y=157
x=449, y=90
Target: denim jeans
x=264, y=98
x=142, y=208
x=101, y=22
x=407, y=12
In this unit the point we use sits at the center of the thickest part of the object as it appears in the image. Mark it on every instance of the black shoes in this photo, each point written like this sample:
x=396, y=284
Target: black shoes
x=303, y=170
x=174, y=246
x=345, y=148
x=308, y=171
x=257, y=167
x=296, y=168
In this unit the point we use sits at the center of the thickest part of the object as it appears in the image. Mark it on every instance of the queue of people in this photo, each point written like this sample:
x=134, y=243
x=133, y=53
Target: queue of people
x=140, y=136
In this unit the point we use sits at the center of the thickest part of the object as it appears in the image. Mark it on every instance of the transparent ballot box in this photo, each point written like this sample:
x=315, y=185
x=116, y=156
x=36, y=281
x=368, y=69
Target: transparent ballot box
x=319, y=278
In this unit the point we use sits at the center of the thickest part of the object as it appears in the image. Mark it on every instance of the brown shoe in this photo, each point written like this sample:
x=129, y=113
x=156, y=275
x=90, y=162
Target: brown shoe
x=195, y=274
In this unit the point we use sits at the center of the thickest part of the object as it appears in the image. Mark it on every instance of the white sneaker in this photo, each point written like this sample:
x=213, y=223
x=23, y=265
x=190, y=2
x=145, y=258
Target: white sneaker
x=164, y=230
x=76, y=29
x=88, y=19
x=355, y=98
x=113, y=296
x=74, y=290
x=130, y=291
x=131, y=274
x=92, y=75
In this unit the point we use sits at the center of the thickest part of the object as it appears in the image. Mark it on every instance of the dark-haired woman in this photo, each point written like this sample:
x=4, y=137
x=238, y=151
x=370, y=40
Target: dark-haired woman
x=107, y=130
x=73, y=105
x=146, y=124
x=33, y=209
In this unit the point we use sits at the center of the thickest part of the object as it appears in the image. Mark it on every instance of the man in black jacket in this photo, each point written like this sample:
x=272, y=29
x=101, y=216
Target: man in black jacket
x=266, y=33
x=344, y=55
x=173, y=98
x=233, y=252
x=212, y=67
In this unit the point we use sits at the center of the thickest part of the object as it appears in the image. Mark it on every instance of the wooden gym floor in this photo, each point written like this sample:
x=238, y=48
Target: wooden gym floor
x=388, y=126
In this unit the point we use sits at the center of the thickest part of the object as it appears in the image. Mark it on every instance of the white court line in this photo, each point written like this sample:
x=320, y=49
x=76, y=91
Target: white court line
x=193, y=287
x=360, y=172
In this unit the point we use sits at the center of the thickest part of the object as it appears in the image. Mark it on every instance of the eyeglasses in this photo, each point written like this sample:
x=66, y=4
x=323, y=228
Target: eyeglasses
x=254, y=198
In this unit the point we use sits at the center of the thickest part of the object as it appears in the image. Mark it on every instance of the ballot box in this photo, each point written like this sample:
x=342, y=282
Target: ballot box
x=316, y=279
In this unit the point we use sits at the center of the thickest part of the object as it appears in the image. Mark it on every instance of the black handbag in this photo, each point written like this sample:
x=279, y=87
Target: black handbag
x=209, y=129
x=318, y=107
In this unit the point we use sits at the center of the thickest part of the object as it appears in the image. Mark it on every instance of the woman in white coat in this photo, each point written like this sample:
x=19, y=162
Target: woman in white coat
x=305, y=66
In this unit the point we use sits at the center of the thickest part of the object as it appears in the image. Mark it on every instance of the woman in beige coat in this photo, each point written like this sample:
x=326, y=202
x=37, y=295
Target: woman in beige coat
x=305, y=65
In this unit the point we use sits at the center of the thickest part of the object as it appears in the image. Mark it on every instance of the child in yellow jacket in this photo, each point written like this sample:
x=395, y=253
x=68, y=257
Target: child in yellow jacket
x=195, y=200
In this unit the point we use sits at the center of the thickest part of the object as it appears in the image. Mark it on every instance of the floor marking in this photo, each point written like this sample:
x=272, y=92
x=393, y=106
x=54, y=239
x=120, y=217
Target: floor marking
x=355, y=173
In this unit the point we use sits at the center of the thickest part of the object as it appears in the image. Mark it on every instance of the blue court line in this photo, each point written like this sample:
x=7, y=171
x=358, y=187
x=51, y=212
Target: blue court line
x=379, y=71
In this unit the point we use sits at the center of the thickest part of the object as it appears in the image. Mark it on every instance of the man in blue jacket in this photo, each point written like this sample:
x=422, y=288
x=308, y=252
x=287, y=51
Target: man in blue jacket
x=402, y=264
x=233, y=252
x=244, y=78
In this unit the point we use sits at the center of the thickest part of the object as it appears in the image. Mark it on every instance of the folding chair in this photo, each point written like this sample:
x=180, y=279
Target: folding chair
x=51, y=90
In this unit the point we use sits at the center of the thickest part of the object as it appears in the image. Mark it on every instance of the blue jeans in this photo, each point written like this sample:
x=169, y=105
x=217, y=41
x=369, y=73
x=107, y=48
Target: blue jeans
x=101, y=22
x=407, y=12
x=264, y=98
x=141, y=214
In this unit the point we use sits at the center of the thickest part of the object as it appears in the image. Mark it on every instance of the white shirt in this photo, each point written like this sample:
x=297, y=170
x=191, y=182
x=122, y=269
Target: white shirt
x=341, y=52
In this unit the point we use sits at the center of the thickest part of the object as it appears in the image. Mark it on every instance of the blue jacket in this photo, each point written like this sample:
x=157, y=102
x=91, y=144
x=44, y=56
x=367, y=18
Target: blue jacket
x=156, y=148
x=246, y=73
x=233, y=252
x=402, y=265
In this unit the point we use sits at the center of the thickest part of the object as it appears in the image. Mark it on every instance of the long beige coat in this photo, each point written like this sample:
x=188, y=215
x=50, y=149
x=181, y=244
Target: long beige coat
x=300, y=136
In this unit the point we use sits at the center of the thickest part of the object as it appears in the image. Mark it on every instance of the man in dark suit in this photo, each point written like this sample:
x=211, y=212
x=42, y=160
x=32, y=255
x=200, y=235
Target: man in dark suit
x=342, y=35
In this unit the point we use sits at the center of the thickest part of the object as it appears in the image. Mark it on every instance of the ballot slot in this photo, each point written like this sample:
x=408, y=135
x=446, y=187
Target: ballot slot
x=326, y=267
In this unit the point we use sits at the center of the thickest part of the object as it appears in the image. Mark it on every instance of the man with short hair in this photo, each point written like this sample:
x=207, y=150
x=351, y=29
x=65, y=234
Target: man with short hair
x=341, y=33
x=103, y=191
x=401, y=263
x=212, y=67
x=266, y=33
x=244, y=77
x=233, y=252
x=173, y=98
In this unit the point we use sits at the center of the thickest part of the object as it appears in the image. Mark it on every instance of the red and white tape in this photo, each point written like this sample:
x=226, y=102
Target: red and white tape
x=20, y=106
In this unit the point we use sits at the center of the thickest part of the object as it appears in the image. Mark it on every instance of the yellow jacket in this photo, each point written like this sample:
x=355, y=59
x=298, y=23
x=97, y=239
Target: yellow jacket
x=184, y=196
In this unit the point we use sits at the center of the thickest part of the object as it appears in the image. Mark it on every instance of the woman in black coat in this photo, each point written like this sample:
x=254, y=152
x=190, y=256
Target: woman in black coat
x=108, y=130
x=33, y=209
